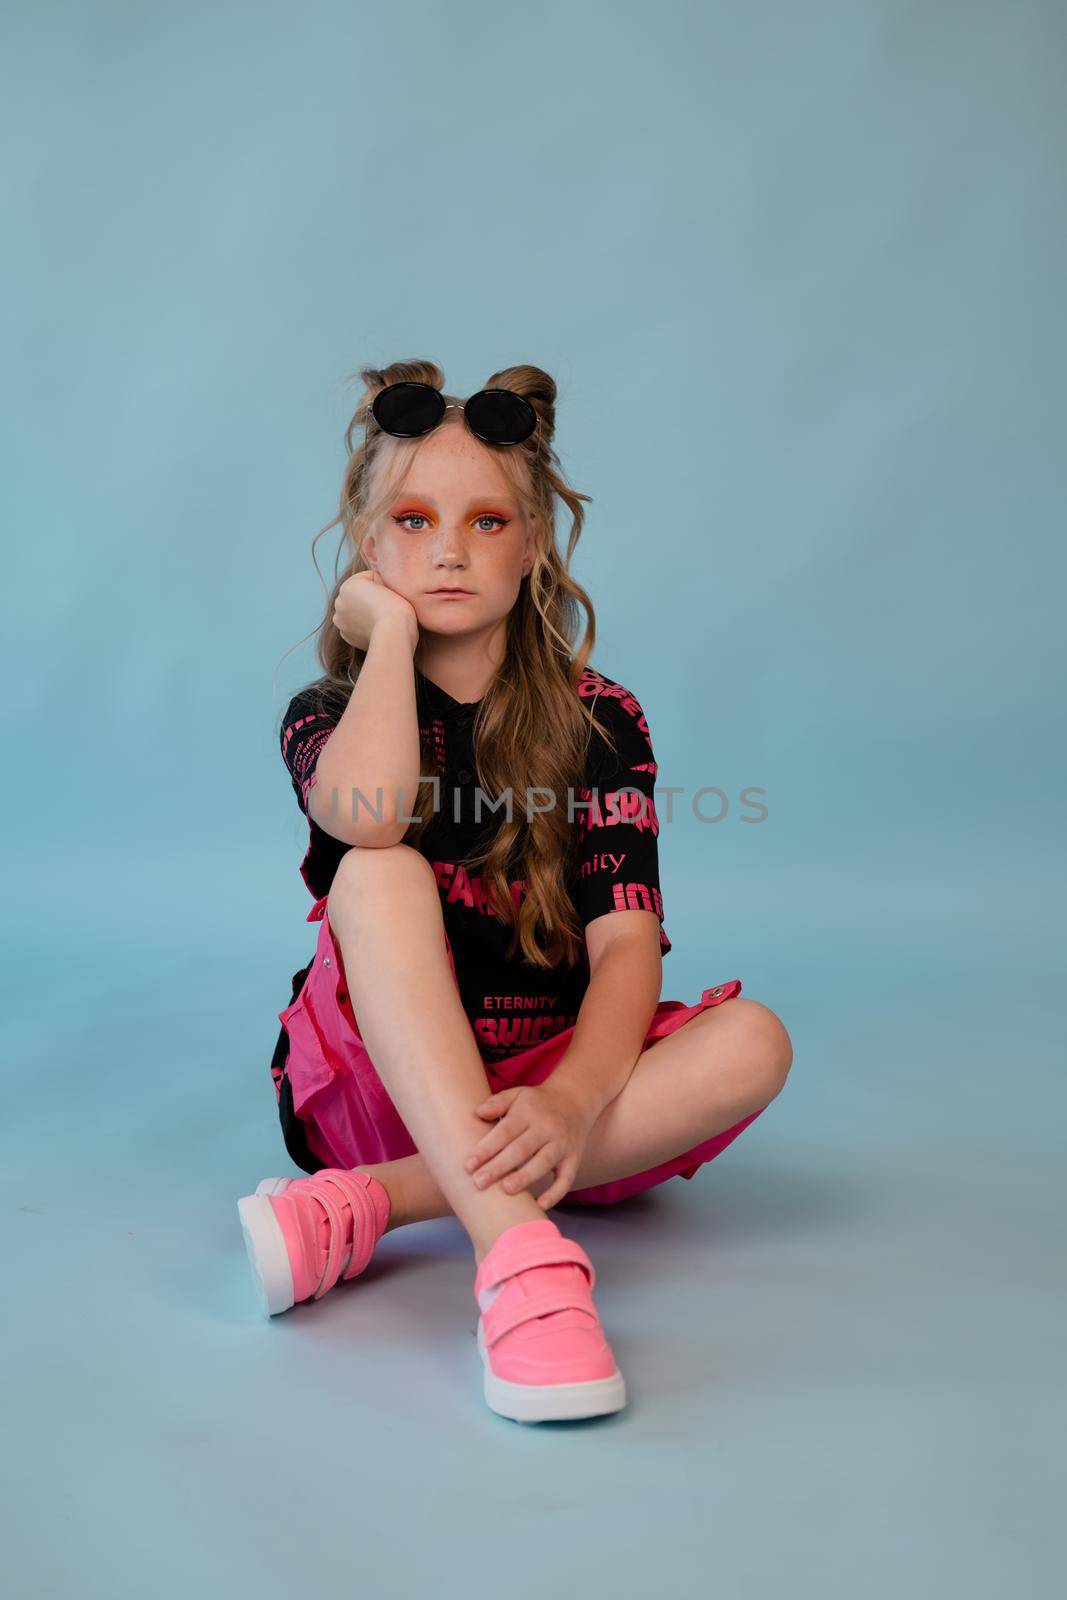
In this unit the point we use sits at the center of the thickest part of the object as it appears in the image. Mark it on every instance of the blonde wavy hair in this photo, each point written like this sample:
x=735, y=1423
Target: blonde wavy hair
x=532, y=729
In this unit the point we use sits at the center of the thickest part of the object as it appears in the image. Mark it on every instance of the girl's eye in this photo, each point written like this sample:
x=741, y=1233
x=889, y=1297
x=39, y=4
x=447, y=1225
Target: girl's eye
x=420, y=517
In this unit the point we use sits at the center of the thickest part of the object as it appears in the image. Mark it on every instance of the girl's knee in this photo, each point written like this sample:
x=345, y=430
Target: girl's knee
x=766, y=1047
x=361, y=873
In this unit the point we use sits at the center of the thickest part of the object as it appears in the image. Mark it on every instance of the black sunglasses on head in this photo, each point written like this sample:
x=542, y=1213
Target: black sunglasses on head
x=496, y=416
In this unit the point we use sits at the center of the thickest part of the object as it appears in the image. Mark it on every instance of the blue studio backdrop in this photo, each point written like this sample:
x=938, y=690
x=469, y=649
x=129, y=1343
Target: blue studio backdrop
x=797, y=270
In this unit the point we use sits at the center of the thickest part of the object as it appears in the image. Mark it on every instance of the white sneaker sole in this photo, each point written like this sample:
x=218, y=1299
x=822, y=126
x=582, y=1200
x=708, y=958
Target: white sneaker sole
x=549, y=1402
x=265, y=1244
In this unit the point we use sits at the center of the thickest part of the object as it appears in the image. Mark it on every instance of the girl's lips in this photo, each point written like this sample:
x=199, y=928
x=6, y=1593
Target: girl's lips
x=458, y=594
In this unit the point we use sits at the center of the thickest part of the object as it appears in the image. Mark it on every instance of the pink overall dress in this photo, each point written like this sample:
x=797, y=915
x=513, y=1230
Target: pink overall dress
x=345, y=1115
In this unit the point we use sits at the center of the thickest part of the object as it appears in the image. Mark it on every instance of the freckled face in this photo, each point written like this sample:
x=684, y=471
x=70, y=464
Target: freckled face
x=456, y=524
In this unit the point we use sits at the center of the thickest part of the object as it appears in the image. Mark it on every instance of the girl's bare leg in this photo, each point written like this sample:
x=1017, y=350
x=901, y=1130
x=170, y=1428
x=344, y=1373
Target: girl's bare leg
x=722, y=1065
x=384, y=912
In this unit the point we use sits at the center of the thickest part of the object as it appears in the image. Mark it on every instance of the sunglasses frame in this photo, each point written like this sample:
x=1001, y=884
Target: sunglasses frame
x=520, y=404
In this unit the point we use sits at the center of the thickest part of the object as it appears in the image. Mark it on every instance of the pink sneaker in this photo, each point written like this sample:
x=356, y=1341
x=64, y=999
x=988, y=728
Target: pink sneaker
x=543, y=1350
x=304, y=1234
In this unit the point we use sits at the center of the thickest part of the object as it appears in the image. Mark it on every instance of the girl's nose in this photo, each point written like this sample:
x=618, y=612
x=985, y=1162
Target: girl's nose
x=450, y=543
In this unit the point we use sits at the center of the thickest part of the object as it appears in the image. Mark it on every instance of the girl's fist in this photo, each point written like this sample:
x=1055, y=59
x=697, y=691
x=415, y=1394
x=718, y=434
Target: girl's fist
x=364, y=600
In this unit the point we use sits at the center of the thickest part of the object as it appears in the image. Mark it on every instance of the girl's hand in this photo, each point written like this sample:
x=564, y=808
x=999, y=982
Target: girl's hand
x=537, y=1127
x=364, y=600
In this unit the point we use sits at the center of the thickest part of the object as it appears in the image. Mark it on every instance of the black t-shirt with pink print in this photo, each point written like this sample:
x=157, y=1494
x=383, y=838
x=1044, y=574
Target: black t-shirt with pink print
x=511, y=1004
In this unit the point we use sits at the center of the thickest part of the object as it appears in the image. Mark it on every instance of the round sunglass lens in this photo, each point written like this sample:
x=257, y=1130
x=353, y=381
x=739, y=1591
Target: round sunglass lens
x=500, y=416
x=408, y=409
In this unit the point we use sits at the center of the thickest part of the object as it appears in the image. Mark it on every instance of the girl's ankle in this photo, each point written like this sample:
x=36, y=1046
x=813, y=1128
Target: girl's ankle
x=484, y=1242
x=389, y=1184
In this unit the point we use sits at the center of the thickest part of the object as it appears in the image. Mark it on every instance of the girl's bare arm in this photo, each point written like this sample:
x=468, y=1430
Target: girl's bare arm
x=375, y=745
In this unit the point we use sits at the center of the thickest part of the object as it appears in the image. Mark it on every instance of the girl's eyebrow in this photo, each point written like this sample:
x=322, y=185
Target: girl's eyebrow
x=504, y=501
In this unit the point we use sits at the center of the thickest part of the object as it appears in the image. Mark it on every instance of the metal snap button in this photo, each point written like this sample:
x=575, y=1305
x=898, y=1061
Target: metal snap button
x=464, y=776
x=326, y=961
x=719, y=989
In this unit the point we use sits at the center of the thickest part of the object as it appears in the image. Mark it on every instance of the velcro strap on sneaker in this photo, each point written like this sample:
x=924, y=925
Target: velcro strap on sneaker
x=363, y=1215
x=501, y=1318
x=336, y=1238
x=532, y=1253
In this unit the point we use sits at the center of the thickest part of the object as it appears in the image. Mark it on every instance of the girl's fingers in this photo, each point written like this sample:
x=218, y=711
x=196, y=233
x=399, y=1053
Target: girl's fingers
x=498, y=1138
x=517, y=1151
x=564, y=1179
x=542, y=1162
